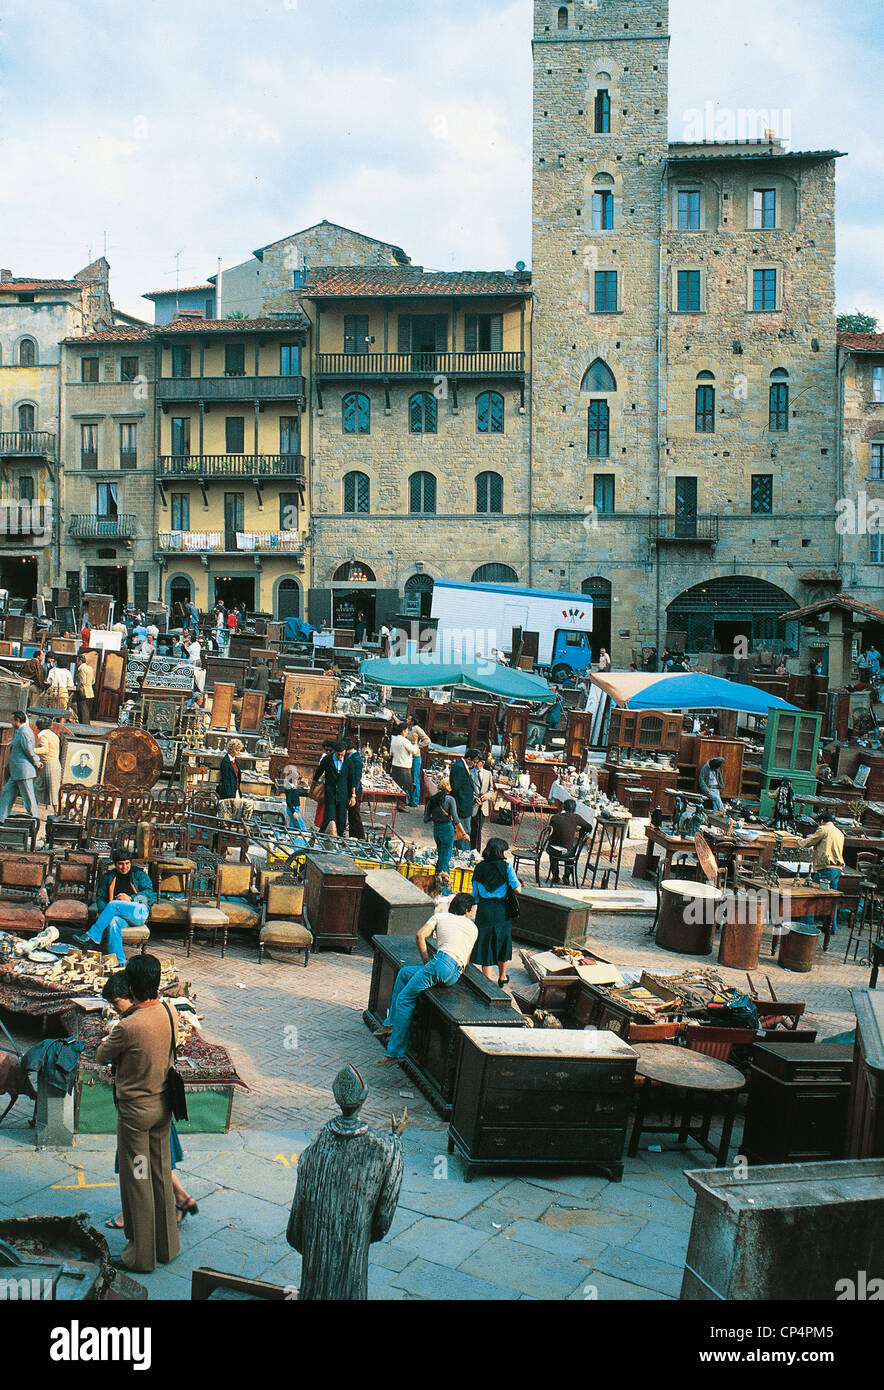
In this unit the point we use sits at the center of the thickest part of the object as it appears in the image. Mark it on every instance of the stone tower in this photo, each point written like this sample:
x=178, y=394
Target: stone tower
x=600, y=147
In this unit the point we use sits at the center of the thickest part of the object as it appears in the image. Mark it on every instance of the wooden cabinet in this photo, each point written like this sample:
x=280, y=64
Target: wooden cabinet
x=649, y=730
x=332, y=898
x=542, y=1096
x=305, y=734
x=436, y=1036
x=473, y=723
x=798, y=1102
x=791, y=749
x=547, y=919
x=865, y=1127
x=392, y=905
x=696, y=749
x=657, y=781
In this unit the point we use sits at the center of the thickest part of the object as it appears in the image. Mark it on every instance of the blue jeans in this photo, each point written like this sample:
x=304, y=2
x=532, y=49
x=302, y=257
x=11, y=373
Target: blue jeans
x=293, y=810
x=112, y=919
x=411, y=982
x=444, y=836
x=415, y=798
x=715, y=797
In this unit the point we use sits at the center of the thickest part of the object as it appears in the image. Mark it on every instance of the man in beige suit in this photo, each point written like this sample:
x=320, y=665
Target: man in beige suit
x=140, y=1046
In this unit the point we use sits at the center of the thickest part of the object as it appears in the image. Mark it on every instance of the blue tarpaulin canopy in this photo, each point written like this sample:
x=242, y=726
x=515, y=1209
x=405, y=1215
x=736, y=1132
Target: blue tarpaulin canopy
x=297, y=631
x=424, y=670
x=697, y=691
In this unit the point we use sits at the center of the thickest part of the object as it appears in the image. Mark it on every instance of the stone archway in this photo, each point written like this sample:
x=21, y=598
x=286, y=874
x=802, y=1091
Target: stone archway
x=715, y=613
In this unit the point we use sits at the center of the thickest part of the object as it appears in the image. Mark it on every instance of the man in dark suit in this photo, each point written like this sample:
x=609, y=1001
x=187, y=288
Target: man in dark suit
x=354, y=765
x=463, y=788
x=333, y=772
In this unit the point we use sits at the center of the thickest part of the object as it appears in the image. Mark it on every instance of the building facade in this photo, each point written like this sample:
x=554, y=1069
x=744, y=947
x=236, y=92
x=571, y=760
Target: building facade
x=860, y=517
x=685, y=400
x=35, y=315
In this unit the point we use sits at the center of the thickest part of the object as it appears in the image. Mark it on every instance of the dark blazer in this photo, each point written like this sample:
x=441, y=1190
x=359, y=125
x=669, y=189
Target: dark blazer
x=229, y=780
x=353, y=766
x=462, y=788
x=337, y=784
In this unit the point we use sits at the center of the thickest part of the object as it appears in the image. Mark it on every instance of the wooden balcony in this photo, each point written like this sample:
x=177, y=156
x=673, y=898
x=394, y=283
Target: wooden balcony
x=227, y=389
x=27, y=444
x=200, y=467
x=420, y=364
x=683, y=530
x=101, y=528
x=231, y=543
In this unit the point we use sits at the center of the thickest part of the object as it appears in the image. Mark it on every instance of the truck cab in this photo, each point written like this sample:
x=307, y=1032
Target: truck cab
x=571, y=653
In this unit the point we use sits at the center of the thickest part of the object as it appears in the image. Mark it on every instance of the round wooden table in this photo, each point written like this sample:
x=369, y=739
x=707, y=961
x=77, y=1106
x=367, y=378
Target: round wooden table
x=693, y=1074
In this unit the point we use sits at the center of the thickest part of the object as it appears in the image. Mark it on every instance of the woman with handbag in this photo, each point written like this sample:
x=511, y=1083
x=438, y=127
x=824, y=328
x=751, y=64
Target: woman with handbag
x=142, y=1045
x=116, y=992
x=441, y=810
x=494, y=887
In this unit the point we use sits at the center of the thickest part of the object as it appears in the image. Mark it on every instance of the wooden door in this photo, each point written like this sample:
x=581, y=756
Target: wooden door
x=222, y=706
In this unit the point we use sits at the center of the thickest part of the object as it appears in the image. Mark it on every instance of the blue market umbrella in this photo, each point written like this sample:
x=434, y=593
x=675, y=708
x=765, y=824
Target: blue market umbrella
x=696, y=691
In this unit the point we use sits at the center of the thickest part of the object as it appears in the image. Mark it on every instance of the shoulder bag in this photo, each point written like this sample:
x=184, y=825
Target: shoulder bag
x=174, y=1088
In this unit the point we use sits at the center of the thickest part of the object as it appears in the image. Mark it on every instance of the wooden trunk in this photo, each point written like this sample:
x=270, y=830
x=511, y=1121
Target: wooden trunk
x=392, y=905
x=548, y=919
x=542, y=1097
x=332, y=898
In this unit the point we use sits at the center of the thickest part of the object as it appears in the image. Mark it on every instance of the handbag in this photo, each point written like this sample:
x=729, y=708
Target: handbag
x=174, y=1088
x=512, y=903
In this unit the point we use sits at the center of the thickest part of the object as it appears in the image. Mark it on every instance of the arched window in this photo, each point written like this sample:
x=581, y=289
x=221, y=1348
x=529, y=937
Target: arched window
x=563, y=17
x=27, y=353
x=598, y=377
x=419, y=595
x=288, y=599
x=876, y=457
x=356, y=413
x=357, y=493
x=489, y=412
x=354, y=572
x=598, y=589
x=422, y=492
x=704, y=412
x=598, y=440
x=489, y=493
x=778, y=416
x=602, y=111
x=494, y=574
x=422, y=414
x=26, y=417
x=603, y=203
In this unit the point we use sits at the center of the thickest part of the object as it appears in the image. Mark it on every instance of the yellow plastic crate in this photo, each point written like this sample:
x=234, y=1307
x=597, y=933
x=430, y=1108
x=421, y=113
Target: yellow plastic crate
x=461, y=880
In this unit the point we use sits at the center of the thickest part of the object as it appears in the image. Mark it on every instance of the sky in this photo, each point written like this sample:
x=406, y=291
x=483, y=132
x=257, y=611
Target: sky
x=211, y=127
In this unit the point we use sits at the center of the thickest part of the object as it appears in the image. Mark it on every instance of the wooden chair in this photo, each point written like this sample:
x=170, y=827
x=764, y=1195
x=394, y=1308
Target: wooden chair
x=171, y=907
x=69, y=896
x=236, y=899
x=607, y=838
x=535, y=855
x=203, y=912
x=22, y=895
x=27, y=823
x=64, y=833
x=717, y=1042
x=280, y=928
x=92, y=862
x=15, y=838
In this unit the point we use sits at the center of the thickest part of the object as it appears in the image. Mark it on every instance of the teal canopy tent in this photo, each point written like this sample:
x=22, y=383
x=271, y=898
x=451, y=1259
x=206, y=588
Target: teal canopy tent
x=424, y=670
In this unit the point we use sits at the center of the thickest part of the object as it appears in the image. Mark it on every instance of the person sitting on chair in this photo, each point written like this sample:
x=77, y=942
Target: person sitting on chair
x=125, y=897
x=565, y=826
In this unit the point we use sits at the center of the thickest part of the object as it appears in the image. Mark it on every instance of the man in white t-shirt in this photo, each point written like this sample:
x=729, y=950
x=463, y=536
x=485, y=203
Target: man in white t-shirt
x=402, y=753
x=455, y=934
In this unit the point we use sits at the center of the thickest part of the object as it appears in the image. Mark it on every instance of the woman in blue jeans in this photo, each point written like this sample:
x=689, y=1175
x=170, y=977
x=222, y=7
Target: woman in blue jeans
x=441, y=810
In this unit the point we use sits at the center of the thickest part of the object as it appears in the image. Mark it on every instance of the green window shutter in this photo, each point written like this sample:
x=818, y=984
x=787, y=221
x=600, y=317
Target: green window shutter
x=471, y=333
x=404, y=344
x=496, y=332
x=441, y=328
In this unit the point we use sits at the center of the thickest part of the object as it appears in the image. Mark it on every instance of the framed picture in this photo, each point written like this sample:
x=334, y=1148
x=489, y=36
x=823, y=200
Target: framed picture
x=82, y=763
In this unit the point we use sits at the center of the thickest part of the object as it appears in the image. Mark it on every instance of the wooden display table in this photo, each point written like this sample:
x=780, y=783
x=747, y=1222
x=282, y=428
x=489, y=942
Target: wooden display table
x=551, y=919
x=525, y=1100
x=699, y=1080
x=787, y=901
x=435, y=1040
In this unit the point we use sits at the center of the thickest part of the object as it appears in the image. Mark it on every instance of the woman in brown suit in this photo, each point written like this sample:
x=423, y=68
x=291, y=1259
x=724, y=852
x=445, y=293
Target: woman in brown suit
x=141, y=1046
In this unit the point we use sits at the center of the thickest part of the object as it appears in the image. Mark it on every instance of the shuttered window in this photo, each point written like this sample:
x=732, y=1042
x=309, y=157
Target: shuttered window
x=489, y=412
x=356, y=413
x=483, y=333
x=489, y=493
x=355, y=333
x=422, y=493
x=422, y=413
x=357, y=492
x=598, y=442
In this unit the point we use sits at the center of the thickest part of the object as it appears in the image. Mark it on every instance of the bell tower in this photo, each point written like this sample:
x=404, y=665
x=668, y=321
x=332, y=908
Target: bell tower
x=599, y=156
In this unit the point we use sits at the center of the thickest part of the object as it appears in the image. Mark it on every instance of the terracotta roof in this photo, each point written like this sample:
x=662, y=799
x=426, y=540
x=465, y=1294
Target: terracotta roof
x=842, y=601
x=183, y=289
x=265, y=325
x=33, y=286
x=413, y=282
x=862, y=342
x=121, y=334
x=685, y=151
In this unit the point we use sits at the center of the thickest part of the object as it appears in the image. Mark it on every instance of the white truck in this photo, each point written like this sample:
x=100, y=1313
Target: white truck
x=474, y=620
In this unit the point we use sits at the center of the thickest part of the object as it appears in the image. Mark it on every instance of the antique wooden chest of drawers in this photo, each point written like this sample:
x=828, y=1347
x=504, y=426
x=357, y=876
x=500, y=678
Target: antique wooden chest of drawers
x=542, y=1097
x=332, y=898
x=392, y=905
x=549, y=919
x=866, y=1123
x=799, y=1096
x=436, y=1036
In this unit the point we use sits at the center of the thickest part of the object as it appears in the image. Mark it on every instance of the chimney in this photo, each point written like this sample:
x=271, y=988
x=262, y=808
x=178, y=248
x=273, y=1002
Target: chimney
x=5, y=275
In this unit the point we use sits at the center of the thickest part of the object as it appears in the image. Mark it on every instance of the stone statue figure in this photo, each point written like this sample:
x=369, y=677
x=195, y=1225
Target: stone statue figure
x=349, y=1178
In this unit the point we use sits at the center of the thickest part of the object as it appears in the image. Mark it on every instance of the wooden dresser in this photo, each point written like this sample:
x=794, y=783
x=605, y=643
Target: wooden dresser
x=436, y=1038
x=332, y=898
x=799, y=1094
x=543, y=1096
x=865, y=1126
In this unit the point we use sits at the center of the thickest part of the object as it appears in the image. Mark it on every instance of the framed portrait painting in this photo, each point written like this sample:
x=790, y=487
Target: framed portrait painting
x=82, y=763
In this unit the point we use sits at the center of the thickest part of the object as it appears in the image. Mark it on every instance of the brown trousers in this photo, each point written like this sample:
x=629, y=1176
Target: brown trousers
x=146, y=1185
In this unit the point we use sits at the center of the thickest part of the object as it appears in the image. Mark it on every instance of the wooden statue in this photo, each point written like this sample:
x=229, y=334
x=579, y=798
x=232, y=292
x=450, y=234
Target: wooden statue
x=349, y=1178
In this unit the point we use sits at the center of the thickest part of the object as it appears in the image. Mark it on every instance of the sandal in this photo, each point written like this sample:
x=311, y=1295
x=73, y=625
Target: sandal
x=115, y=1224
x=188, y=1208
